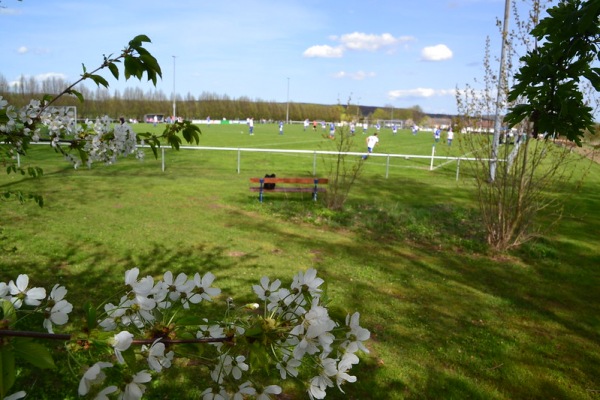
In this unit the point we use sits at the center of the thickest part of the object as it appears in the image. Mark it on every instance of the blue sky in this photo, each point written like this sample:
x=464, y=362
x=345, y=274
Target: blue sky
x=378, y=53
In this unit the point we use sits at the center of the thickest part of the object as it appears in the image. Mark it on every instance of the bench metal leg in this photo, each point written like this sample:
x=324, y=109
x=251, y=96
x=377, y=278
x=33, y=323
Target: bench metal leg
x=260, y=192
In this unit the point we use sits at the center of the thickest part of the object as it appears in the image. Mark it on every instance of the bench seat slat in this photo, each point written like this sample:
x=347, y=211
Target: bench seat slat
x=307, y=181
x=288, y=189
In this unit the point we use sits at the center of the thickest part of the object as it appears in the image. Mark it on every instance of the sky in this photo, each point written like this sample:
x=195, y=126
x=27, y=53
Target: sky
x=386, y=53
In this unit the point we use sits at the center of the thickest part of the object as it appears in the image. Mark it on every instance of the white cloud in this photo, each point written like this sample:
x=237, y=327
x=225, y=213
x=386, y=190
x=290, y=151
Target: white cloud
x=324, y=51
x=420, y=93
x=370, y=42
x=50, y=75
x=22, y=50
x=438, y=52
x=358, y=76
x=357, y=41
x=39, y=78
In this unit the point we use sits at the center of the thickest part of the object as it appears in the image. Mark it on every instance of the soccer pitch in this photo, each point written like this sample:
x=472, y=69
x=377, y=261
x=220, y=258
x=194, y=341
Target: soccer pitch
x=231, y=143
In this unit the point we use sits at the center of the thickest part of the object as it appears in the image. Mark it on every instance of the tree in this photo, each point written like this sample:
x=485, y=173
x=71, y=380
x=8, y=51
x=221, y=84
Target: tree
x=549, y=83
x=530, y=174
x=101, y=141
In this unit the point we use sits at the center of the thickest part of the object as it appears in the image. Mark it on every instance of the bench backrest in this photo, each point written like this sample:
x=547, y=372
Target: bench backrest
x=307, y=181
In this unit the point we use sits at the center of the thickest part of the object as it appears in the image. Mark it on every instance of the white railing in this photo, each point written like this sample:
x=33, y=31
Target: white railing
x=388, y=157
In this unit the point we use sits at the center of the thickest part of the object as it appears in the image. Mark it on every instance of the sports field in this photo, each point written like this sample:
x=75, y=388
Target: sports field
x=266, y=137
x=449, y=318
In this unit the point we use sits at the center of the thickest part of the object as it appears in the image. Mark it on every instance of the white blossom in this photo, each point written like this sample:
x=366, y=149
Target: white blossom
x=93, y=375
x=135, y=389
x=21, y=293
x=267, y=290
x=58, y=309
x=157, y=359
x=121, y=342
x=267, y=392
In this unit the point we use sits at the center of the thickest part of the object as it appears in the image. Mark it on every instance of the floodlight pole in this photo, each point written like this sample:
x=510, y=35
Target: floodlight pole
x=174, y=105
x=287, y=109
x=500, y=94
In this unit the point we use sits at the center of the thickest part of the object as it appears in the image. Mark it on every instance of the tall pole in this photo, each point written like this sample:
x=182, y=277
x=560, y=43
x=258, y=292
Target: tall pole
x=287, y=109
x=500, y=94
x=174, y=105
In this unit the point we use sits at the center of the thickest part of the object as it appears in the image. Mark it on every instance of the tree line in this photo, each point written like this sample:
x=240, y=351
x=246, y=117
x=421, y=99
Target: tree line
x=135, y=103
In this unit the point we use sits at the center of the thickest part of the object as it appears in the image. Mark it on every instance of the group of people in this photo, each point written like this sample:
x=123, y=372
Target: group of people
x=437, y=134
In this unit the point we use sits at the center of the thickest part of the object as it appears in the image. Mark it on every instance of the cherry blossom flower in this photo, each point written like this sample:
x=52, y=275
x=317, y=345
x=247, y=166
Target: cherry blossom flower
x=214, y=393
x=157, y=359
x=341, y=375
x=92, y=376
x=116, y=315
x=203, y=289
x=267, y=392
x=121, y=342
x=21, y=294
x=244, y=390
x=235, y=366
x=288, y=366
x=102, y=395
x=357, y=334
x=58, y=309
x=177, y=287
x=142, y=289
x=135, y=389
x=267, y=290
x=307, y=282
x=318, y=386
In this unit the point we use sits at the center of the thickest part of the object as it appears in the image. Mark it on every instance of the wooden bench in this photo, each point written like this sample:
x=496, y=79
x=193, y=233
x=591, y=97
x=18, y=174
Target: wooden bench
x=314, y=187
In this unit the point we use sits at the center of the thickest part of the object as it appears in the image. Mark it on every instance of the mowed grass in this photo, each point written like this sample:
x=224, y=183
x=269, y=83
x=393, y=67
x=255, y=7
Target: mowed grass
x=449, y=318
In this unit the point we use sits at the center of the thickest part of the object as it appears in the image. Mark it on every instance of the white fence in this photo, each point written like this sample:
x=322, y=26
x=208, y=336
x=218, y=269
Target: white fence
x=314, y=153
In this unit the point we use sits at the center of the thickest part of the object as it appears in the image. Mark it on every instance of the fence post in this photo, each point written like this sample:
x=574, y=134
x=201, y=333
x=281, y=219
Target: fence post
x=387, y=167
x=238, y=161
x=432, y=156
x=315, y=163
x=457, y=167
x=162, y=158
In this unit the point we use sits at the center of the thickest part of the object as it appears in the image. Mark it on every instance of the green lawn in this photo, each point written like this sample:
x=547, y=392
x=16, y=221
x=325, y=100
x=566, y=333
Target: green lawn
x=449, y=318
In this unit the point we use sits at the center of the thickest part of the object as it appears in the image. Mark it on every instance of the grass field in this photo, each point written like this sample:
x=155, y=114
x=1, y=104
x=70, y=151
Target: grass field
x=449, y=318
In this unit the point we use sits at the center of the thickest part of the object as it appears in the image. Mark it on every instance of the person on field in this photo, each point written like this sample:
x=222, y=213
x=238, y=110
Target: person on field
x=371, y=143
x=394, y=129
x=251, y=126
x=331, y=130
x=436, y=134
x=281, y=127
x=306, y=123
x=450, y=136
x=315, y=125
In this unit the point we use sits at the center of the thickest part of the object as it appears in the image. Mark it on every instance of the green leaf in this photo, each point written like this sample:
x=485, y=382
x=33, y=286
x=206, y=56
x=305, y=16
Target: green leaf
x=34, y=353
x=90, y=313
x=114, y=70
x=99, y=80
x=7, y=369
x=8, y=311
x=78, y=95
